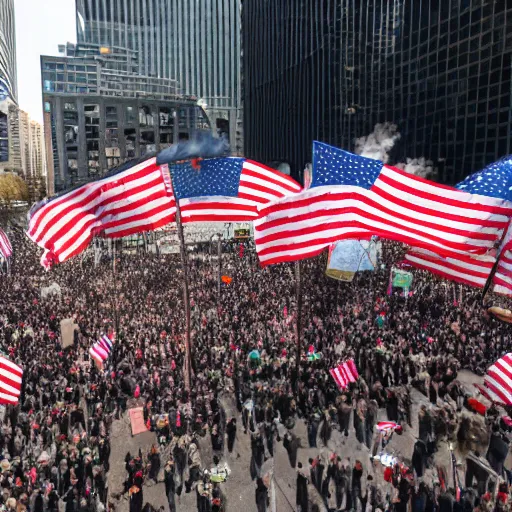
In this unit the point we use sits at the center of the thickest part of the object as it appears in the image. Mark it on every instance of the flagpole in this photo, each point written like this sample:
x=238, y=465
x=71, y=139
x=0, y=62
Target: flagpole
x=219, y=257
x=298, y=296
x=116, y=318
x=491, y=276
x=186, y=293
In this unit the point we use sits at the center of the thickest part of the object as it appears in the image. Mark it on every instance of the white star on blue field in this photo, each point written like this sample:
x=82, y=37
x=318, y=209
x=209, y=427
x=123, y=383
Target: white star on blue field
x=493, y=181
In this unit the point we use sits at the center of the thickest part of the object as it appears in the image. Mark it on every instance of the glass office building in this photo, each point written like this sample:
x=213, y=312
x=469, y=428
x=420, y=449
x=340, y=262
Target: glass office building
x=195, y=42
x=331, y=70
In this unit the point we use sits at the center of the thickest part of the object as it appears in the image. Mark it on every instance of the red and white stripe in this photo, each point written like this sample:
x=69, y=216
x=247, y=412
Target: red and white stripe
x=133, y=200
x=11, y=376
x=140, y=199
x=259, y=185
x=498, y=381
x=473, y=271
x=344, y=374
x=399, y=206
x=101, y=349
x=387, y=426
x=5, y=245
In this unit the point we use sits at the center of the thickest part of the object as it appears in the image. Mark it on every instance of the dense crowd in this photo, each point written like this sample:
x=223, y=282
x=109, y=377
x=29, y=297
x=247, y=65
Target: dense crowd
x=55, y=445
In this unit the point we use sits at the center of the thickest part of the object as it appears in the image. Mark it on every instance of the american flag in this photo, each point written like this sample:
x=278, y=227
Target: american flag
x=139, y=197
x=132, y=199
x=387, y=426
x=5, y=245
x=493, y=181
x=356, y=197
x=101, y=349
x=344, y=374
x=11, y=376
x=472, y=271
x=498, y=381
x=227, y=189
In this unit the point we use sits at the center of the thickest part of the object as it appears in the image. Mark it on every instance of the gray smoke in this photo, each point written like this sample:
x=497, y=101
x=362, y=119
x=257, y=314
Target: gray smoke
x=419, y=167
x=378, y=144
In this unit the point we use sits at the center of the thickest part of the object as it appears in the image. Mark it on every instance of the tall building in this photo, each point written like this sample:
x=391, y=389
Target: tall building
x=8, y=81
x=97, y=116
x=331, y=70
x=195, y=42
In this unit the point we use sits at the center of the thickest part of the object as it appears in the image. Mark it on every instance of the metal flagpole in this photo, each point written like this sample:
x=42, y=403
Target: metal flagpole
x=187, y=370
x=298, y=296
x=501, y=249
x=219, y=257
x=114, y=271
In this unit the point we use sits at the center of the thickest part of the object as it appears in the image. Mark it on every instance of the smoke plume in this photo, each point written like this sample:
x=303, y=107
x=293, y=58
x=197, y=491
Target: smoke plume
x=378, y=144
x=419, y=167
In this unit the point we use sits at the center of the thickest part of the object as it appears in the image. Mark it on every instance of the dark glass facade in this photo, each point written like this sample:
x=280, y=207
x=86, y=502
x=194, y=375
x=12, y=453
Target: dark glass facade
x=331, y=70
x=195, y=42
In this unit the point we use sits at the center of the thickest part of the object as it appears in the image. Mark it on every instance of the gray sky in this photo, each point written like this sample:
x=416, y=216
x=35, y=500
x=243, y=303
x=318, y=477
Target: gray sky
x=41, y=25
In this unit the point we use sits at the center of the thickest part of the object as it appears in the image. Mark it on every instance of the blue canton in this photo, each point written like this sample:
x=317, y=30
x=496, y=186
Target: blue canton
x=493, y=181
x=216, y=177
x=333, y=166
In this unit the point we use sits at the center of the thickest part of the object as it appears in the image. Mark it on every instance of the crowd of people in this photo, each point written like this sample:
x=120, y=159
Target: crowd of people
x=55, y=445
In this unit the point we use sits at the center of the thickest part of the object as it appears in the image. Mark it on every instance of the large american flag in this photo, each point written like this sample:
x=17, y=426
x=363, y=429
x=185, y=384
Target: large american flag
x=5, y=245
x=227, y=189
x=356, y=197
x=11, y=376
x=139, y=197
x=131, y=200
x=493, y=181
x=472, y=271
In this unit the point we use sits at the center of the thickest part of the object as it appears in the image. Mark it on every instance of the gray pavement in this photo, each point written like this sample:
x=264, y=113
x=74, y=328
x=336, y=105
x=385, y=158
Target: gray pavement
x=239, y=489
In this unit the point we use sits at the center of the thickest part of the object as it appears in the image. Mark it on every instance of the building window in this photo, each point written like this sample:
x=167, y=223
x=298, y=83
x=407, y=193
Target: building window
x=130, y=115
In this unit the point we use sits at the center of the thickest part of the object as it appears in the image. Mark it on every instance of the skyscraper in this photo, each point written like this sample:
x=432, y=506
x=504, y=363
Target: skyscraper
x=8, y=82
x=331, y=70
x=195, y=42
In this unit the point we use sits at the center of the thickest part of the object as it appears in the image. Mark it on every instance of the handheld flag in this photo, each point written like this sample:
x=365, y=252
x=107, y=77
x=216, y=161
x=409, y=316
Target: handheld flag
x=101, y=350
x=498, y=381
x=11, y=376
x=344, y=374
x=5, y=245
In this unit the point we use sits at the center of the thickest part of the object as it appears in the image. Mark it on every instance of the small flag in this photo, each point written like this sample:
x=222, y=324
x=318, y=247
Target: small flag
x=10, y=381
x=226, y=279
x=498, y=381
x=5, y=245
x=101, y=350
x=387, y=426
x=344, y=374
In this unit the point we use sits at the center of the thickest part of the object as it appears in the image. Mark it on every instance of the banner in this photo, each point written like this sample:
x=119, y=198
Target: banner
x=401, y=279
x=350, y=256
x=67, y=332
